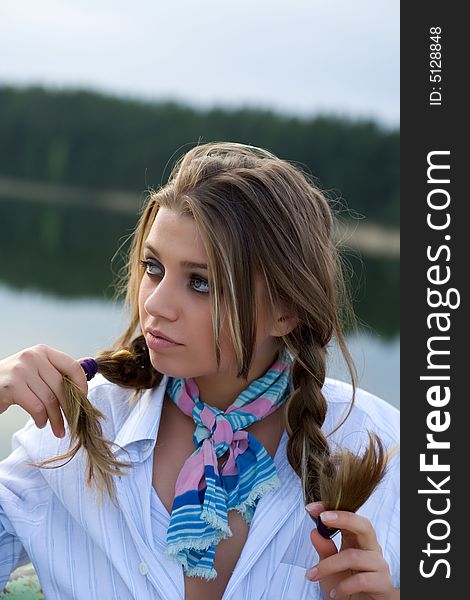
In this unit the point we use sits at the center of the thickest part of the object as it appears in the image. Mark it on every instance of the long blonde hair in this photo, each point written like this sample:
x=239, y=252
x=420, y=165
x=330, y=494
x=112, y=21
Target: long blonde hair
x=259, y=216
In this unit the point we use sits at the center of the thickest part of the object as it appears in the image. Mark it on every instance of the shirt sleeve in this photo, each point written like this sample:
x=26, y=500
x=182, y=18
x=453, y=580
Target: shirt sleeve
x=383, y=506
x=12, y=552
x=25, y=491
x=392, y=551
x=387, y=511
x=20, y=490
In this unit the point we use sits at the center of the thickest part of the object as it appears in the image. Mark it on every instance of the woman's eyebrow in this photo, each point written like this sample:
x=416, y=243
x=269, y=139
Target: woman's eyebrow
x=184, y=263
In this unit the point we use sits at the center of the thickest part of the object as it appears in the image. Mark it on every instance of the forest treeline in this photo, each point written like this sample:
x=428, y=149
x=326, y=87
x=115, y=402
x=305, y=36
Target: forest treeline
x=91, y=140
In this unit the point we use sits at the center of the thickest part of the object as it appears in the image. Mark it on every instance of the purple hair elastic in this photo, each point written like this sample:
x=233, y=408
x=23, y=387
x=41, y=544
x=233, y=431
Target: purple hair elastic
x=324, y=531
x=90, y=366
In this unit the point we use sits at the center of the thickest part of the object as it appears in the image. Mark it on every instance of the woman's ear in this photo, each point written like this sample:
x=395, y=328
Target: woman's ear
x=284, y=325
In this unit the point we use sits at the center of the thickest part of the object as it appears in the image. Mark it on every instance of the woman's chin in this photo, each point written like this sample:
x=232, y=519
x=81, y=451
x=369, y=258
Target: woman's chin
x=164, y=365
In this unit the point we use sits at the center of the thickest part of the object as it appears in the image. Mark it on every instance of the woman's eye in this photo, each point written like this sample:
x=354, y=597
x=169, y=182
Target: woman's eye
x=149, y=265
x=198, y=288
x=204, y=283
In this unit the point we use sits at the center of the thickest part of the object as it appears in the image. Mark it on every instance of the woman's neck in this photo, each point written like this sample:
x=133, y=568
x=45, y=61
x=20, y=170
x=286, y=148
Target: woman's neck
x=221, y=390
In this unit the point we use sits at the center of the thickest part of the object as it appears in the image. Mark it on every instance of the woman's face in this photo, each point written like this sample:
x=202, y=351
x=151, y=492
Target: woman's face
x=175, y=300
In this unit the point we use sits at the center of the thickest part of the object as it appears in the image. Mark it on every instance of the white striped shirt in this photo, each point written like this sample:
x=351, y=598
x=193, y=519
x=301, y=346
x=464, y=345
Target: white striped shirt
x=51, y=518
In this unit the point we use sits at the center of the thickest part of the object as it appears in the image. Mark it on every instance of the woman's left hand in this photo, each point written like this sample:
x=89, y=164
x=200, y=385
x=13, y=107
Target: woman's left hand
x=359, y=568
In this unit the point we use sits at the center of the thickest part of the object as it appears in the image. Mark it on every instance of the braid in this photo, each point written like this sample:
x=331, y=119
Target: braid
x=128, y=367
x=342, y=480
x=307, y=447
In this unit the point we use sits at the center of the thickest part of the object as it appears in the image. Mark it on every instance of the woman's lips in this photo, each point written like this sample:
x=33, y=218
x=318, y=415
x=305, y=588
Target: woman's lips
x=159, y=343
x=161, y=334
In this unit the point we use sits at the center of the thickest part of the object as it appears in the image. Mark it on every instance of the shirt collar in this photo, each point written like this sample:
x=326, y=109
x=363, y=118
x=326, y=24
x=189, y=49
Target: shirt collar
x=139, y=431
x=142, y=423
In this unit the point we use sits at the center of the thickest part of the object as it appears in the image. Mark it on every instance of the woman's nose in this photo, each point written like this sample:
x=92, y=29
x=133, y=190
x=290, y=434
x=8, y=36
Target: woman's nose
x=162, y=300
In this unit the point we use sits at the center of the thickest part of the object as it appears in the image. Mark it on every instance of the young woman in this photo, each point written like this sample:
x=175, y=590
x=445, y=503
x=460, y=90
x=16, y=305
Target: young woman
x=216, y=395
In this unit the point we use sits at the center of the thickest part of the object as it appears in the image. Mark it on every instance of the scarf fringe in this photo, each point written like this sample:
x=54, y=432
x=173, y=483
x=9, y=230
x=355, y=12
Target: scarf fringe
x=173, y=548
x=216, y=522
x=176, y=552
x=250, y=503
x=201, y=572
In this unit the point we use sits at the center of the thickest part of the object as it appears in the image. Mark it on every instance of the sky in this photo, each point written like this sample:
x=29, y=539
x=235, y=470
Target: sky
x=297, y=57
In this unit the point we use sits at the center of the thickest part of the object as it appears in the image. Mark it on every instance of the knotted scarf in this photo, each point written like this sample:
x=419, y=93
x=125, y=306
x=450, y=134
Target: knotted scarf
x=203, y=494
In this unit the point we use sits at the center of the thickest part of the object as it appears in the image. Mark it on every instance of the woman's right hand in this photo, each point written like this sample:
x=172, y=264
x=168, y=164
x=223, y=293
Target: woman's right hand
x=33, y=379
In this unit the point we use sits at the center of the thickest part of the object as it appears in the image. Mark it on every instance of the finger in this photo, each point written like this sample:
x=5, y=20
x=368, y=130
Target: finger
x=372, y=583
x=68, y=366
x=353, y=559
x=27, y=399
x=49, y=391
x=315, y=508
x=52, y=365
x=353, y=523
x=323, y=546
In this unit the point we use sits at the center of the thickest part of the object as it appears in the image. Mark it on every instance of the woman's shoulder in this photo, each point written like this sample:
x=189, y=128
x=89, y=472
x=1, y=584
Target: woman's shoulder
x=113, y=400
x=369, y=412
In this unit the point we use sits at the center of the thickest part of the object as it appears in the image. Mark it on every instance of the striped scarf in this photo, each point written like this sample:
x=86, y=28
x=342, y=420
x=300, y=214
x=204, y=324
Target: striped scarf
x=203, y=495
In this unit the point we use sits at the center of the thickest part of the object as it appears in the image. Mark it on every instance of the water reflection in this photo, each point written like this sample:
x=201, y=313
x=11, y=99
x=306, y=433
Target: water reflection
x=76, y=251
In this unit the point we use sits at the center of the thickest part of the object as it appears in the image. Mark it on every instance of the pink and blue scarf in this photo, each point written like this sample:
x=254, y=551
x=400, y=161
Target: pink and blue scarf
x=203, y=495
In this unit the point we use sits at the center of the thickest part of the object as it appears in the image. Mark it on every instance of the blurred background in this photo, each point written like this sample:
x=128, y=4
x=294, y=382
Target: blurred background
x=97, y=101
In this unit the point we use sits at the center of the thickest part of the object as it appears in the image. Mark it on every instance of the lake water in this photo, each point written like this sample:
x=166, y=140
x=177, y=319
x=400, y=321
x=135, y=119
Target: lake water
x=83, y=327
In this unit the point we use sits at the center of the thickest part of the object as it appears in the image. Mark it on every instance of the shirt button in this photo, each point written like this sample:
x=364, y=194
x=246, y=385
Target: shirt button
x=143, y=568
x=146, y=446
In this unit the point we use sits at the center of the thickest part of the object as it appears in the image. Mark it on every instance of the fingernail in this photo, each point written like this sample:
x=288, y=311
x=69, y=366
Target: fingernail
x=333, y=594
x=313, y=506
x=328, y=516
x=312, y=574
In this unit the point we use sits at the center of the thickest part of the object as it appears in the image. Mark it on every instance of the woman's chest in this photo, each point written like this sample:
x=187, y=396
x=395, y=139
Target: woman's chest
x=173, y=447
